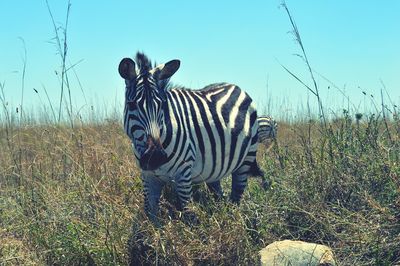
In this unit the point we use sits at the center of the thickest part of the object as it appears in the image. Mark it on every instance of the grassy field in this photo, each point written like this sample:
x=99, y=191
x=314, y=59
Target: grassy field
x=70, y=192
x=74, y=197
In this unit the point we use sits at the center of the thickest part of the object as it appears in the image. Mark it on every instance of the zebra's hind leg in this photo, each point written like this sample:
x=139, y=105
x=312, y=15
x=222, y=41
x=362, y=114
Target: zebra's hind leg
x=249, y=167
x=216, y=190
x=239, y=182
x=239, y=178
x=152, y=192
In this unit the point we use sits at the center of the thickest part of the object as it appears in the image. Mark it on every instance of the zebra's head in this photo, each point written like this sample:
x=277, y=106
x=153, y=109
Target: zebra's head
x=145, y=105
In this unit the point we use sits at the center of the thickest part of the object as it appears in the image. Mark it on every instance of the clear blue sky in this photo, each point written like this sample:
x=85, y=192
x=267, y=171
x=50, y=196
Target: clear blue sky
x=352, y=43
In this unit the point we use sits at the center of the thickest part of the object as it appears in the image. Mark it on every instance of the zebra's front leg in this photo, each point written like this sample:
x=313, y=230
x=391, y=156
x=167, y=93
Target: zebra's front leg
x=152, y=192
x=184, y=190
x=183, y=184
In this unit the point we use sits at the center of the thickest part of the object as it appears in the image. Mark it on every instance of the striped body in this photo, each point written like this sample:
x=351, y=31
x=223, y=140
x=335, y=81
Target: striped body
x=205, y=133
x=185, y=136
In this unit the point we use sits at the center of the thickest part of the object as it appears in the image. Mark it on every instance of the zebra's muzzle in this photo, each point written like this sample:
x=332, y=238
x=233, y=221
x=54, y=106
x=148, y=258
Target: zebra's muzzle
x=153, y=157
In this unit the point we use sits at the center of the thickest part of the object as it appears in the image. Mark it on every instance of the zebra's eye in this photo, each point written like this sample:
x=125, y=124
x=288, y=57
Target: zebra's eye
x=140, y=138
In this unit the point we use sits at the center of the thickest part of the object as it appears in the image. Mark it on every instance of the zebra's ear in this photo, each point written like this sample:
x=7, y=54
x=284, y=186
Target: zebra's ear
x=168, y=69
x=127, y=69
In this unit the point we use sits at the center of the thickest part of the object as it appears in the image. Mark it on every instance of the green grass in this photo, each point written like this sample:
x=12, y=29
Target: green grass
x=73, y=196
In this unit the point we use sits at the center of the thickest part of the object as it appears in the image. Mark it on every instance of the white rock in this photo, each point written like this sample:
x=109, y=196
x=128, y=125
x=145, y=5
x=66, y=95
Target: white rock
x=296, y=253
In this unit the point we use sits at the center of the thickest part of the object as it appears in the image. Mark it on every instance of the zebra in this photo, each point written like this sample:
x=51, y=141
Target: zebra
x=267, y=128
x=184, y=136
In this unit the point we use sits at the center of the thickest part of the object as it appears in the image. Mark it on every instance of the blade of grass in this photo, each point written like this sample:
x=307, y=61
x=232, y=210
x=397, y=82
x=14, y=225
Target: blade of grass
x=24, y=59
x=299, y=41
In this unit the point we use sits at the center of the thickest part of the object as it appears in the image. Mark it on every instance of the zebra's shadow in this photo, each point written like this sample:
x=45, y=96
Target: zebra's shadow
x=142, y=243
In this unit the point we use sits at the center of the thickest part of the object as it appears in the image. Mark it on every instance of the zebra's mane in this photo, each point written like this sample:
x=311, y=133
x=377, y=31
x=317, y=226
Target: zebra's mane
x=208, y=88
x=145, y=65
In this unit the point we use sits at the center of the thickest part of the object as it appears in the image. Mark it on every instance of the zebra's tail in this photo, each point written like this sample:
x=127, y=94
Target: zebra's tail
x=267, y=129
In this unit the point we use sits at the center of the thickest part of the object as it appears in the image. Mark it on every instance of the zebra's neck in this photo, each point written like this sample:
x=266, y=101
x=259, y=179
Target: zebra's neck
x=174, y=133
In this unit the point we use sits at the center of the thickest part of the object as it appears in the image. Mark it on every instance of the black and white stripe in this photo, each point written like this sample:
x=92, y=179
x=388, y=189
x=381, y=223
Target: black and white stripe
x=267, y=128
x=187, y=136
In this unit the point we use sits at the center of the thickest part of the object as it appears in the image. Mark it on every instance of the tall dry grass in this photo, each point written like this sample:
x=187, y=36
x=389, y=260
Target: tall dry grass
x=73, y=196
